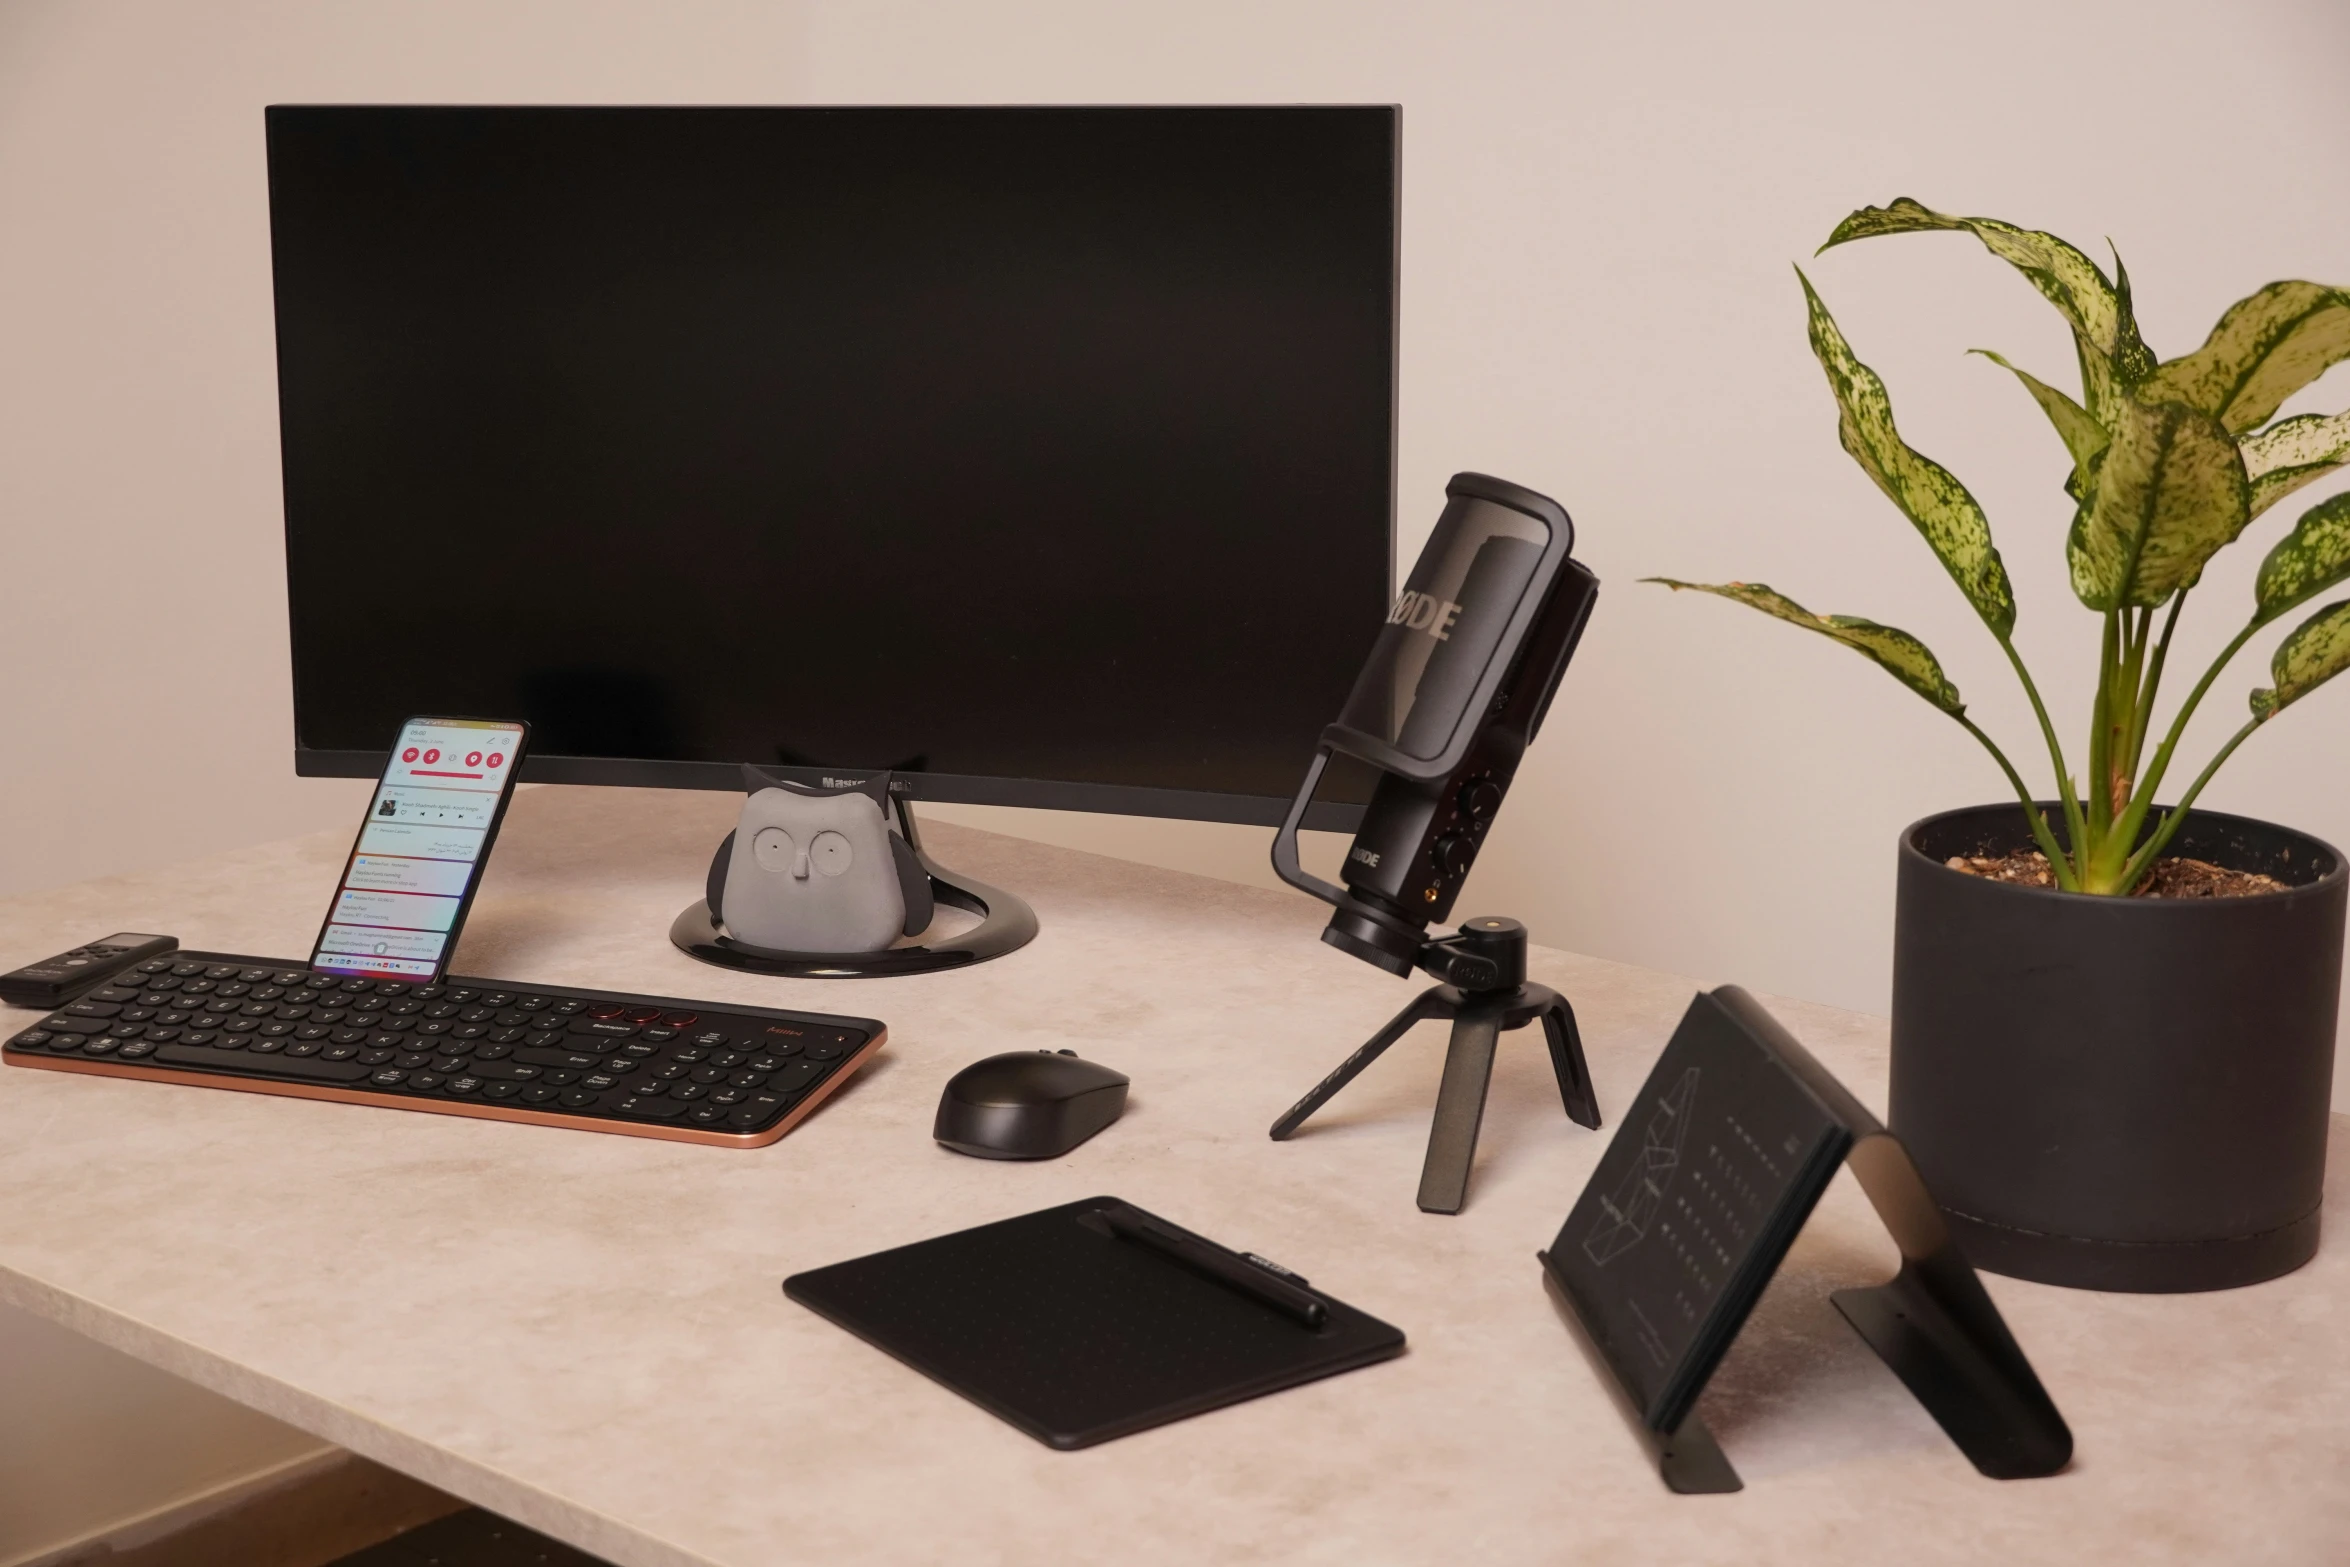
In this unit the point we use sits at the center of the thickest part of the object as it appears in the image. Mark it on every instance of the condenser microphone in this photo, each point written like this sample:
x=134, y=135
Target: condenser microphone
x=1453, y=693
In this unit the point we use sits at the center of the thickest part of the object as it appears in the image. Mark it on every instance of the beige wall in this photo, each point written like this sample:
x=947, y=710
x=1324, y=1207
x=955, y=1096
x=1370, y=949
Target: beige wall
x=1601, y=205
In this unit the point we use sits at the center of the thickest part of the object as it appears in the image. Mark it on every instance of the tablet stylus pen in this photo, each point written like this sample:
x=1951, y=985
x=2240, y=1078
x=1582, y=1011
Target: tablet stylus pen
x=1220, y=1265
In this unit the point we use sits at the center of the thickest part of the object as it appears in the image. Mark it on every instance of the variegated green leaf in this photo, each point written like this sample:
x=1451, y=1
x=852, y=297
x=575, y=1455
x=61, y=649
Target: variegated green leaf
x=2306, y=562
x=2294, y=452
x=1928, y=494
x=2096, y=308
x=2318, y=650
x=2083, y=436
x=2264, y=350
x=1898, y=653
x=2162, y=499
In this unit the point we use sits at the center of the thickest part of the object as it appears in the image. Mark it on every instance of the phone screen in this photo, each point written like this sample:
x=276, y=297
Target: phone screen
x=428, y=831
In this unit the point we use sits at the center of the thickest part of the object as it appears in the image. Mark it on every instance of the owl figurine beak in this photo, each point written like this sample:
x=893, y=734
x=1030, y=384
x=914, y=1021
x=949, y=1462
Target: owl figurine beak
x=799, y=861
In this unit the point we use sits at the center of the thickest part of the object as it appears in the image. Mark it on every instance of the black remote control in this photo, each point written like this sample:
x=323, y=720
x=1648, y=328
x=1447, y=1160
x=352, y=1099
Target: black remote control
x=54, y=981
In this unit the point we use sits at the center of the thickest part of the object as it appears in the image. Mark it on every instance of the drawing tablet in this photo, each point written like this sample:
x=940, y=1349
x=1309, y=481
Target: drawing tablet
x=1062, y=1325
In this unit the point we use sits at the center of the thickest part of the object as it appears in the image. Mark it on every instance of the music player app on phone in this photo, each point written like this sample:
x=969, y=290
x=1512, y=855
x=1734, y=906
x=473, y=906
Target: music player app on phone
x=404, y=891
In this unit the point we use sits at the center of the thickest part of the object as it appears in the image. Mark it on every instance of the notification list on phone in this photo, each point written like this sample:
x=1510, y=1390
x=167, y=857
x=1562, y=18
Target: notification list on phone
x=425, y=831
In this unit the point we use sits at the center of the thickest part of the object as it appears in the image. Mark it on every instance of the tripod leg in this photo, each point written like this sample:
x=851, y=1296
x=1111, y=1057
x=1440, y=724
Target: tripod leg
x=1428, y=1004
x=1460, y=1109
x=1566, y=1059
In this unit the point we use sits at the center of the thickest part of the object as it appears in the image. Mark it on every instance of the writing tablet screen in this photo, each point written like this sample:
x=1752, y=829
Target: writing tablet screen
x=1712, y=1171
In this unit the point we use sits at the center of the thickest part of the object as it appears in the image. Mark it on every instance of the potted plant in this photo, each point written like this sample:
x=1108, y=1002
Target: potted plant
x=2113, y=1020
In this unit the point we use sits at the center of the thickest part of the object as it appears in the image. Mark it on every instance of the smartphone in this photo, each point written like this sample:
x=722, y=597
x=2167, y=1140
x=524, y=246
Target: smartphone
x=420, y=853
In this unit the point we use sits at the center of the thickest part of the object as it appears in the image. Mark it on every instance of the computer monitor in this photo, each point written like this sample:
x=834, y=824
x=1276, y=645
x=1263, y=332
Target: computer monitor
x=1043, y=455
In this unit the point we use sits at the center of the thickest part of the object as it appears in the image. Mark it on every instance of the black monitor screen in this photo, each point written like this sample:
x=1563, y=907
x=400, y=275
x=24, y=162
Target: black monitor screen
x=1044, y=454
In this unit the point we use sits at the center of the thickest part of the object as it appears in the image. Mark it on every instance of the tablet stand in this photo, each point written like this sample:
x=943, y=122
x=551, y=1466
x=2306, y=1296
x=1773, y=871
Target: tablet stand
x=1488, y=961
x=1006, y=925
x=1933, y=1323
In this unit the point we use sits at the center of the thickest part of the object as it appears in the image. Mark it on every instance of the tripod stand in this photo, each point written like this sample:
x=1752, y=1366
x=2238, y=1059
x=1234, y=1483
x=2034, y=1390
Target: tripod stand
x=1486, y=993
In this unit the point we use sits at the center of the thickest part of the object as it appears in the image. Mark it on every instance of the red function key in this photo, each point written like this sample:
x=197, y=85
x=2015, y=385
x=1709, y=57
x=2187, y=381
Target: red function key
x=644, y=1014
x=679, y=1019
x=605, y=1008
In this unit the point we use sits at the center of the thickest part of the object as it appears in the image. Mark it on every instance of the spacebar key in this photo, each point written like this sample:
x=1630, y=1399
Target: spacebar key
x=309, y=1067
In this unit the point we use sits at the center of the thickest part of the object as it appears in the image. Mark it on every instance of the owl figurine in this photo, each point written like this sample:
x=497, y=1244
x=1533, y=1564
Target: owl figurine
x=819, y=871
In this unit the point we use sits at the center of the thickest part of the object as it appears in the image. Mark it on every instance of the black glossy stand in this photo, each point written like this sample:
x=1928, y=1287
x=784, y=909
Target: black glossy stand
x=1006, y=925
x=1488, y=959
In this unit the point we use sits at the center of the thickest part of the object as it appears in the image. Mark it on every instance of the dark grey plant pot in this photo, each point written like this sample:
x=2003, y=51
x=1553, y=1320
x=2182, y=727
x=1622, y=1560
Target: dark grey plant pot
x=2119, y=1093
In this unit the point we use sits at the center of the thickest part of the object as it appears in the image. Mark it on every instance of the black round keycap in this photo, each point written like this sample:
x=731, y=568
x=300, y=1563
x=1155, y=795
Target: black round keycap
x=100, y=1046
x=264, y=1044
x=172, y=1019
x=133, y=1049
x=497, y=998
x=277, y=1028
x=288, y=976
x=476, y=1014
x=544, y=1037
x=31, y=1037
x=449, y=1064
x=727, y=1096
x=242, y=1025
x=567, y=1008
x=162, y=1033
x=533, y=1003
x=183, y=970
x=319, y=982
x=463, y=1085
x=411, y=1060
x=221, y=971
x=390, y=987
x=500, y=1090
x=512, y=1017
x=825, y=1052
x=726, y=1058
x=453, y=1046
x=349, y=1036
x=765, y=1063
x=312, y=1031
x=579, y=1098
x=295, y=1011
x=127, y=1030
x=269, y=992
x=356, y=986
x=303, y=1047
x=601, y=1080
x=492, y=1052
x=747, y=1079
x=426, y=1080
x=688, y=1090
x=374, y=1057
x=508, y=1036
x=646, y=1089
x=338, y=1052
x=200, y=1036
x=389, y=1077
x=386, y=1041
x=368, y=1004
x=709, y=1074
x=470, y=1031
x=404, y=1006
x=138, y=1014
x=707, y=1115
x=197, y=987
x=434, y=1025
x=558, y=1078
x=430, y=992
x=327, y=1015
x=397, y=1024
x=745, y=1115
x=538, y=1093
x=670, y=1071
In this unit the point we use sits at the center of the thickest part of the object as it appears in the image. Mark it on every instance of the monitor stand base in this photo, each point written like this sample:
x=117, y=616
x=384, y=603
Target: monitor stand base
x=1006, y=924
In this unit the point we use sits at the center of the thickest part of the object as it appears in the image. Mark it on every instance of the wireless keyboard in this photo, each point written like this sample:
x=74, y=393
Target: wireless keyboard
x=597, y=1061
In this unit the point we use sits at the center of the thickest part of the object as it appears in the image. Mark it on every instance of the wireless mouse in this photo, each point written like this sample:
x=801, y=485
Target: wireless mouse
x=1030, y=1104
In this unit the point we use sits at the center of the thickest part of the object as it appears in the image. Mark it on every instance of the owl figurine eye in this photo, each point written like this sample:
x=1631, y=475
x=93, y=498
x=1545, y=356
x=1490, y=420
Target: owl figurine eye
x=775, y=852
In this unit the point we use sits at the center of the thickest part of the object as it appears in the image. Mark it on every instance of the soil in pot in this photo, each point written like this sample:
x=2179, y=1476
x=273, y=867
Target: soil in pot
x=2167, y=878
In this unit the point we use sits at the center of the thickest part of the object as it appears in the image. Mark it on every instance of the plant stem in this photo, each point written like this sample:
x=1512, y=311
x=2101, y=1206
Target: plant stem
x=2075, y=827
x=2057, y=863
x=2153, y=682
x=2176, y=817
x=2143, y=800
x=2100, y=800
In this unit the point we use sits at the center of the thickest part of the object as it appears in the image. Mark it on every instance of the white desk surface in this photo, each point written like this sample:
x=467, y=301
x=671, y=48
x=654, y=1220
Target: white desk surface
x=585, y=1332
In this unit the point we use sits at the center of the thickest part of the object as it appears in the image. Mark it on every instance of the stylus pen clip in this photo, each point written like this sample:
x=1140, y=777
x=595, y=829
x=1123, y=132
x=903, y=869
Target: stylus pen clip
x=1224, y=1267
